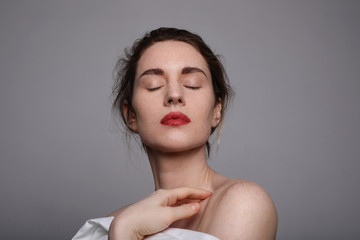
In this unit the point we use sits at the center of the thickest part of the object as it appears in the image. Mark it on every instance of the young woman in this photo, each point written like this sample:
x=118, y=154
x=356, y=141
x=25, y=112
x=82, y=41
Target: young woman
x=172, y=91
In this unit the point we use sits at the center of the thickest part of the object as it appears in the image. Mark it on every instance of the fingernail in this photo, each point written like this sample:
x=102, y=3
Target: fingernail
x=193, y=207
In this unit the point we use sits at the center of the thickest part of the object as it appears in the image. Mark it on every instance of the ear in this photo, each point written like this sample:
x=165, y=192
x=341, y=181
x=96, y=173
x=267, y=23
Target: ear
x=216, y=114
x=130, y=117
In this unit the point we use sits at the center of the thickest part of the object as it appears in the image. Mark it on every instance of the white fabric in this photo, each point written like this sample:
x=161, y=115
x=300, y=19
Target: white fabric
x=97, y=229
x=94, y=229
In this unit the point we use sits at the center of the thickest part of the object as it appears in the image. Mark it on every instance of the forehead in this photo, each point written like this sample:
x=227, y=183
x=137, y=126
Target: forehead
x=171, y=55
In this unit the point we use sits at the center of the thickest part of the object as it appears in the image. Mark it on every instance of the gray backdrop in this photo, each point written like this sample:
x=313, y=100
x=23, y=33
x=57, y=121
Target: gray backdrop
x=293, y=126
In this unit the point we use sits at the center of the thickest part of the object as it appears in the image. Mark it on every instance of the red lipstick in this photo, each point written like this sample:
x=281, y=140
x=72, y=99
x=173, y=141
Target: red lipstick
x=175, y=119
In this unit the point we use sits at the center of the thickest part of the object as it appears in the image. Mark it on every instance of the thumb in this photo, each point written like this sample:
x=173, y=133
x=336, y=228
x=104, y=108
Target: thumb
x=185, y=211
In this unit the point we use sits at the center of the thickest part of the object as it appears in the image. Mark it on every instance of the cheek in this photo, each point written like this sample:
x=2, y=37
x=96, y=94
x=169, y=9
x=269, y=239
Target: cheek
x=203, y=111
x=146, y=110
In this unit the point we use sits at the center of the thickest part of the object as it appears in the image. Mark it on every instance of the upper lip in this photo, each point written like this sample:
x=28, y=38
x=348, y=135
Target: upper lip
x=175, y=115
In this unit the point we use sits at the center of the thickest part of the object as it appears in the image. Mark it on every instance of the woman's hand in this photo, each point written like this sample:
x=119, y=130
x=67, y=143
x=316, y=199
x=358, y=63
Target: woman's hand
x=156, y=212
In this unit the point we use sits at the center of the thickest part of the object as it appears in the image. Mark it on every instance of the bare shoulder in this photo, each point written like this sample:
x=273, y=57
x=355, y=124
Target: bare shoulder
x=244, y=192
x=241, y=209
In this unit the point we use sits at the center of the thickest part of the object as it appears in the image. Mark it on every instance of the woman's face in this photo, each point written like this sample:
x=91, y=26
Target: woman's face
x=173, y=100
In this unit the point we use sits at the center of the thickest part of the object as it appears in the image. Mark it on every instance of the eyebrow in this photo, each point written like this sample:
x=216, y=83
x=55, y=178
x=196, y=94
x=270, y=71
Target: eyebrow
x=160, y=72
x=153, y=71
x=187, y=70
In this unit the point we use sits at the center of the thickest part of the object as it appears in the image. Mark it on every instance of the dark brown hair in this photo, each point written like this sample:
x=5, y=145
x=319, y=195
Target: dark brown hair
x=125, y=69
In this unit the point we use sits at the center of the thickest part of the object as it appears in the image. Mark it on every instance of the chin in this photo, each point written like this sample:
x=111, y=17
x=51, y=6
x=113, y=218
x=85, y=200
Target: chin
x=174, y=141
x=174, y=147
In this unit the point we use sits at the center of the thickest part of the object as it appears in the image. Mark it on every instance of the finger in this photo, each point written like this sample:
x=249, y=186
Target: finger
x=186, y=201
x=184, y=211
x=179, y=194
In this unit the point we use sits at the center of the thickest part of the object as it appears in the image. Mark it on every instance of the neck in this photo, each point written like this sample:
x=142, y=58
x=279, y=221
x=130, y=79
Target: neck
x=188, y=168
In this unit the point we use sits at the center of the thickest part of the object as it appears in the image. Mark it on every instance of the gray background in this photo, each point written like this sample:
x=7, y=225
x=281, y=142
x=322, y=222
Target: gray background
x=293, y=126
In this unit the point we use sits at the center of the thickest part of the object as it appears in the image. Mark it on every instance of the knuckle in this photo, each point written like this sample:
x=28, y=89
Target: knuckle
x=160, y=192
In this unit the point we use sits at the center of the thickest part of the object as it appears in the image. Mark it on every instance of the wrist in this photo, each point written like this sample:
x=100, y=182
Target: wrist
x=121, y=229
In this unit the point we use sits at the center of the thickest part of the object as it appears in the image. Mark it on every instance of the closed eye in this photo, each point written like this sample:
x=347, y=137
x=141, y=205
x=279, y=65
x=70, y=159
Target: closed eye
x=192, y=87
x=154, y=88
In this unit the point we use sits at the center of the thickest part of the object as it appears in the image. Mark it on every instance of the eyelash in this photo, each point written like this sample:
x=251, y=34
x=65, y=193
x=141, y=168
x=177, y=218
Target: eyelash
x=153, y=89
x=193, y=88
x=156, y=88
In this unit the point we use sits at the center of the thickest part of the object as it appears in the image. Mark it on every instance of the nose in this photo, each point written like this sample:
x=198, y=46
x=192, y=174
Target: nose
x=174, y=95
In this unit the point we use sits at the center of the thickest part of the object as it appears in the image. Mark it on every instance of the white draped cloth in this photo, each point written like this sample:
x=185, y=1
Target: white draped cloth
x=97, y=229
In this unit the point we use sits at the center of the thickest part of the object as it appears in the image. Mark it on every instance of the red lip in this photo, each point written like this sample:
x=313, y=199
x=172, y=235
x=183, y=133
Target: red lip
x=175, y=119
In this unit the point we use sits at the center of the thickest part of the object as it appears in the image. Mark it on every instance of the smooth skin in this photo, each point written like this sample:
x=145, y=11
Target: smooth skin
x=173, y=76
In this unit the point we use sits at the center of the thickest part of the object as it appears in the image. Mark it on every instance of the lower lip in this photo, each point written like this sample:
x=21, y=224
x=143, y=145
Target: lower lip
x=175, y=122
x=175, y=119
